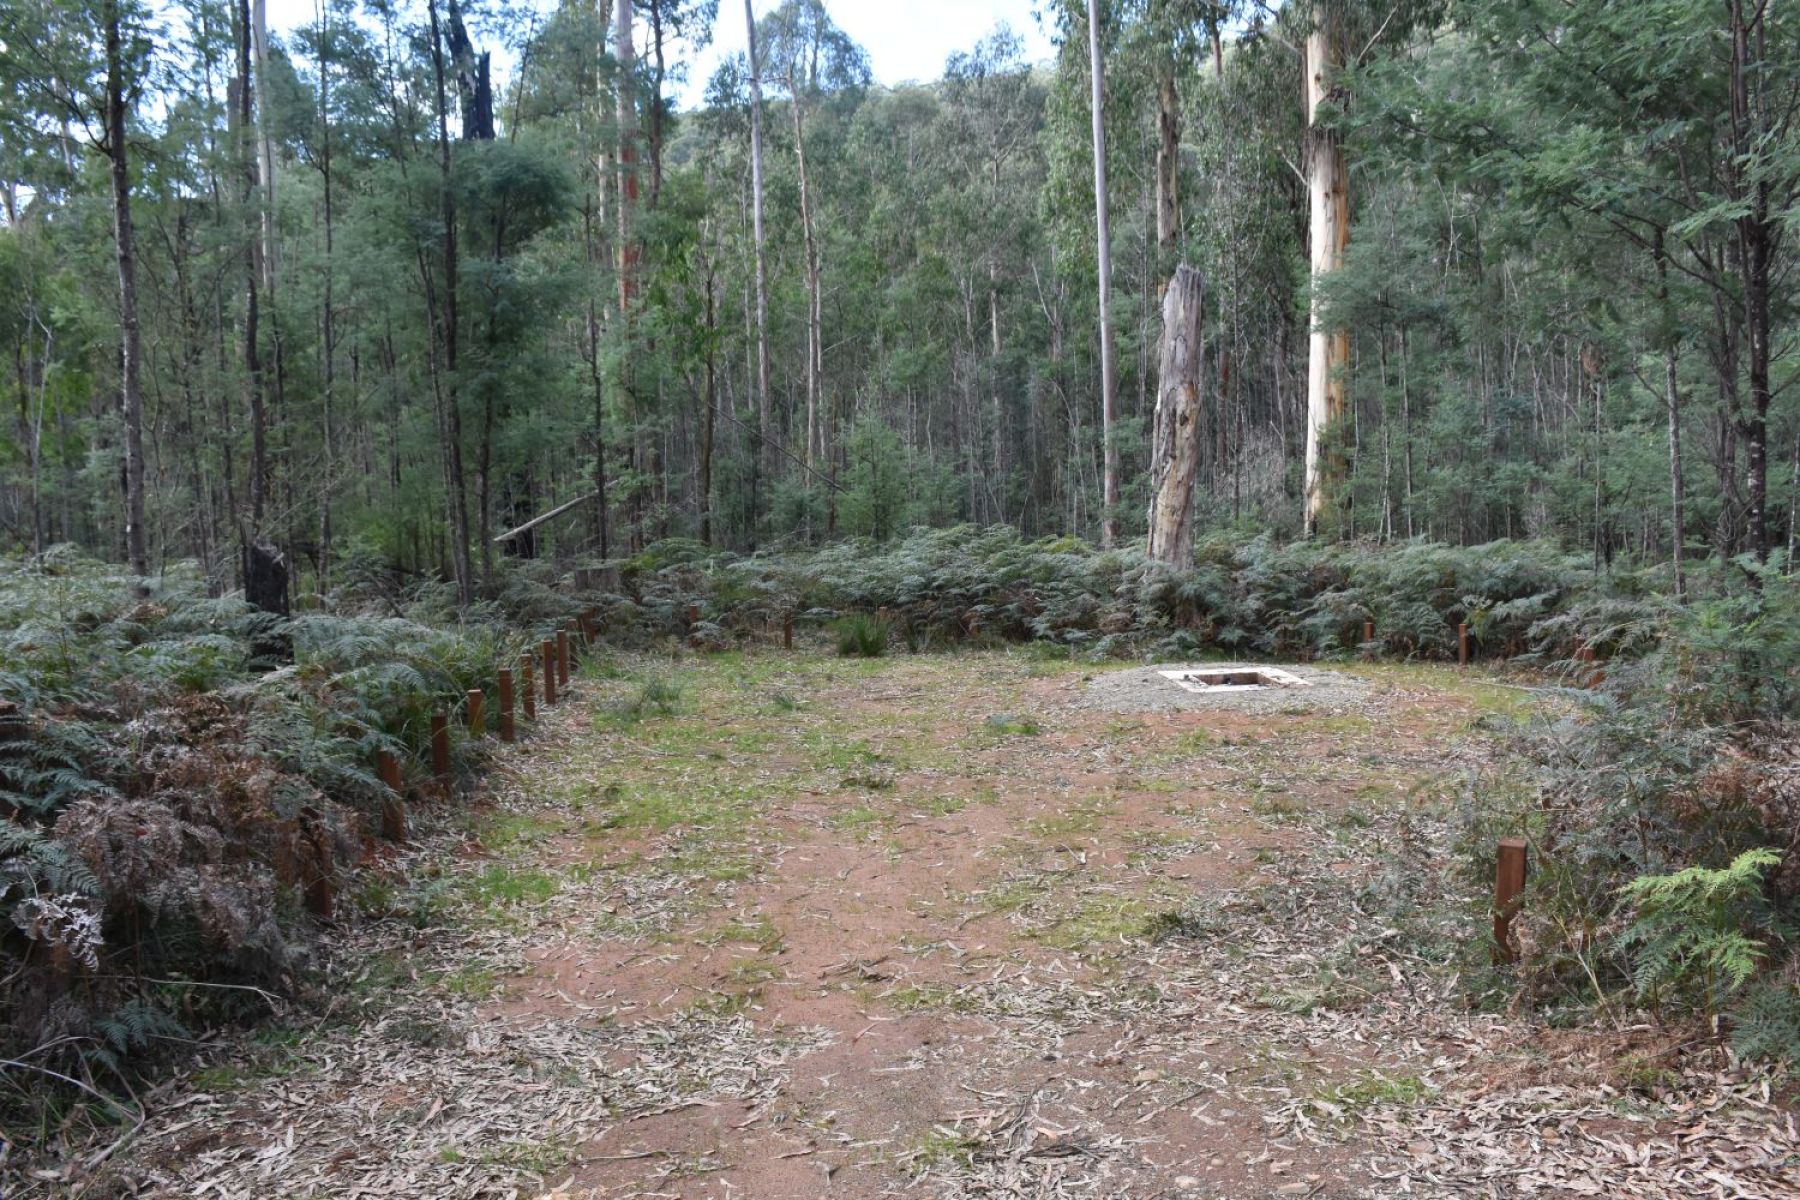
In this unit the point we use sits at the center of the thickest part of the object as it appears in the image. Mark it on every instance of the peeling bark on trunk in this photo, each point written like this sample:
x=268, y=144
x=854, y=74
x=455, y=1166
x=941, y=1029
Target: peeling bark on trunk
x=1328, y=351
x=1109, y=488
x=761, y=458
x=1175, y=445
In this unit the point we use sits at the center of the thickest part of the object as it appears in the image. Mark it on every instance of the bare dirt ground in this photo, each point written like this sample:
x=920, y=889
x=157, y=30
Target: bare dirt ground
x=775, y=926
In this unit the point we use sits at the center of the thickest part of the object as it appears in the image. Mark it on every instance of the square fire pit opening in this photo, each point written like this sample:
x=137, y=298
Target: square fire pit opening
x=1233, y=679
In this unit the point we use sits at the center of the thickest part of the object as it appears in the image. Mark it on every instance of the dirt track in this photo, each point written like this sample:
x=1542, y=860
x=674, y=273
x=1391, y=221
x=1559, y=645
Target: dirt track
x=933, y=926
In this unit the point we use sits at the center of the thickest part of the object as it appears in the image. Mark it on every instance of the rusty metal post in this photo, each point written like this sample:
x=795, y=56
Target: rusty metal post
x=548, y=650
x=477, y=713
x=507, y=733
x=393, y=805
x=562, y=657
x=787, y=630
x=1368, y=631
x=1509, y=885
x=693, y=613
x=440, y=750
x=528, y=686
x=1462, y=645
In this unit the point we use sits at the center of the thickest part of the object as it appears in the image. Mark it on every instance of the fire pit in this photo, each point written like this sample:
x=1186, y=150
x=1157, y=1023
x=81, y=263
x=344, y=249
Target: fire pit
x=1232, y=679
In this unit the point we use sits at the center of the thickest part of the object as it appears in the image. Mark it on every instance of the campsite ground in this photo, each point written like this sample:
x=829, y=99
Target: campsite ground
x=771, y=925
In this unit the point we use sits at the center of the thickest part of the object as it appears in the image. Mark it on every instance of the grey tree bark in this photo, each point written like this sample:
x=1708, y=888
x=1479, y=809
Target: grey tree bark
x=1175, y=443
x=1109, y=488
x=131, y=394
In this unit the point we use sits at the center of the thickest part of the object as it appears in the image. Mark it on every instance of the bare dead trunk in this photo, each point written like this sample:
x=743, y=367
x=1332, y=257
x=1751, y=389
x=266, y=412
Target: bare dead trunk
x=1168, y=161
x=1109, y=488
x=1175, y=445
x=1328, y=351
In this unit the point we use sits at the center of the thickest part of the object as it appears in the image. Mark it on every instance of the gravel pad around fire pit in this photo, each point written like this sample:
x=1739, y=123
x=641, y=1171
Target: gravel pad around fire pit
x=1149, y=689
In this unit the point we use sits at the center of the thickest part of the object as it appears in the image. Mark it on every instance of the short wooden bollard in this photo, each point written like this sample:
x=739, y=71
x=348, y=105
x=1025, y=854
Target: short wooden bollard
x=562, y=657
x=1509, y=885
x=321, y=889
x=1462, y=645
x=528, y=686
x=1368, y=631
x=507, y=732
x=787, y=630
x=477, y=713
x=393, y=805
x=548, y=650
x=693, y=614
x=440, y=750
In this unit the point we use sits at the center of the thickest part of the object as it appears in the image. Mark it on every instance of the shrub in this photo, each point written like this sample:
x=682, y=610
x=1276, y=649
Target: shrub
x=168, y=796
x=860, y=635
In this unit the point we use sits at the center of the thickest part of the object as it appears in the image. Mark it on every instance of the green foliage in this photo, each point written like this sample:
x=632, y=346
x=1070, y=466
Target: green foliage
x=167, y=792
x=861, y=635
x=1688, y=938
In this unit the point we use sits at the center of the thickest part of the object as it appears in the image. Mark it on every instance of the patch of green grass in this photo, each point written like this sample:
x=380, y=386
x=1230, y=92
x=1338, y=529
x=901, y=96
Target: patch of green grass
x=503, y=884
x=756, y=931
x=1375, y=1089
x=941, y=1147
x=657, y=809
x=1276, y=802
x=940, y=805
x=922, y=997
x=1099, y=923
x=856, y=818
x=536, y=1158
x=1005, y=725
x=831, y=751
x=471, y=982
x=272, y=1052
x=655, y=695
x=1079, y=819
x=502, y=831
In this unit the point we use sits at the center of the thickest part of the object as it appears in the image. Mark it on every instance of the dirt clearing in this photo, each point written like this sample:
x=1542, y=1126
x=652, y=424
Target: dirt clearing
x=780, y=926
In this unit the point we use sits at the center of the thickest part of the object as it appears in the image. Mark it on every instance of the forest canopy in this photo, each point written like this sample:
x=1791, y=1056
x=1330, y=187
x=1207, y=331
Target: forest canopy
x=350, y=292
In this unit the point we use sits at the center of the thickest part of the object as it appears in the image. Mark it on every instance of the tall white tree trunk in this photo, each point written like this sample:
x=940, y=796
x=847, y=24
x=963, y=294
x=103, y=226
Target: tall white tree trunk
x=265, y=143
x=1175, y=445
x=1109, y=488
x=763, y=414
x=628, y=180
x=1328, y=188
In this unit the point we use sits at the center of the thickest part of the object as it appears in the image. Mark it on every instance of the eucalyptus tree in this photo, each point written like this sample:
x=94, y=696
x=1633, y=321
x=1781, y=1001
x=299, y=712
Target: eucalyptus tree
x=62, y=84
x=809, y=57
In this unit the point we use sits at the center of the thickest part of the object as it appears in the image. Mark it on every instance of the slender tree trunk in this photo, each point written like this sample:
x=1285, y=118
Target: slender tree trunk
x=809, y=238
x=459, y=497
x=763, y=462
x=131, y=397
x=711, y=400
x=1672, y=402
x=1175, y=446
x=252, y=332
x=1328, y=188
x=626, y=55
x=1756, y=236
x=327, y=318
x=1109, y=489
